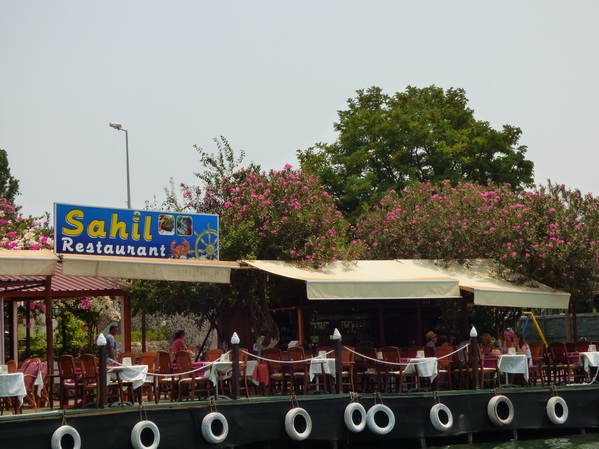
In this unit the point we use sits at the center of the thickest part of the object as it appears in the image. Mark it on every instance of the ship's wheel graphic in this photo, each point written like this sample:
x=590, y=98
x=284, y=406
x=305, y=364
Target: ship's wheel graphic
x=206, y=245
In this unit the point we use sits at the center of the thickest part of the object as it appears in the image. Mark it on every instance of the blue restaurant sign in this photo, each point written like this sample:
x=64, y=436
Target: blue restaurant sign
x=134, y=233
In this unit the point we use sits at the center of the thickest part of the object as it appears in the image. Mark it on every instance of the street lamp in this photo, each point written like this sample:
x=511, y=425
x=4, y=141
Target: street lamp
x=119, y=127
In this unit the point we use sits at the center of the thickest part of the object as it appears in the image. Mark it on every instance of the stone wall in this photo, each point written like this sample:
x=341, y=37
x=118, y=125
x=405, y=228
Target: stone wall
x=554, y=327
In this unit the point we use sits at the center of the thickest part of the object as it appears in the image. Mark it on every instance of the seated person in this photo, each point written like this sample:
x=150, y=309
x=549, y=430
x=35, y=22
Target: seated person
x=508, y=341
x=179, y=343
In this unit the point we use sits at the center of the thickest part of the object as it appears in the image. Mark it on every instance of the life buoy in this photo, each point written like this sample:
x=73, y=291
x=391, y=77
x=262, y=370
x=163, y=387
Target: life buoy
x=496, y=410
x=56, y=441
x=371, y=421
x=208, y=432
x=441, y=417
x=136, y=435
x=290, y=428
x=555, y=405
x=348, y=417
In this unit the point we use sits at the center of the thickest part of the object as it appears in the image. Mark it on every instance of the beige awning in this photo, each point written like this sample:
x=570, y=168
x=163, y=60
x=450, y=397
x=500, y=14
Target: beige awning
x=365, y=279
x=27, y=262
x=493, y=286
x=417, y=278
x=186, y=270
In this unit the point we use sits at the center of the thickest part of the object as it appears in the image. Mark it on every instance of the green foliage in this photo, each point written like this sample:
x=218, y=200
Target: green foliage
x=549, y=235
x=385, y=142
x=9, y=186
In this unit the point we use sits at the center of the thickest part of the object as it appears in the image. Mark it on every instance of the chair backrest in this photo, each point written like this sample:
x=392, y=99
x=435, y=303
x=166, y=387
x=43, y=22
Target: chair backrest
x=30, y=374
x=295, y=355
x=23, y=365
x=444, y=359
x=66, y=367
x=32, y=366
x=183, y=360
x=347, y=356
x=12, y=366
x=558, y=351
x=213, y=354
x=165, y=362
x=369, y=354
x=537, y=352
x=413, y=351
x=273, y=354
x=131, y=355
x=150, y=359
x=582, y=346
x=89, y=367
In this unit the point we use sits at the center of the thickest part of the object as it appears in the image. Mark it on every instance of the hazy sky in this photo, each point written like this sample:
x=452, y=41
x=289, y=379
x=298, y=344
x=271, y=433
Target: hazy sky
x=270, y=77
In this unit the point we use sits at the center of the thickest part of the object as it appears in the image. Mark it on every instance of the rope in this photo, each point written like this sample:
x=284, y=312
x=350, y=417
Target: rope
x=384, y=362
x=321, y=357
x=205, y=366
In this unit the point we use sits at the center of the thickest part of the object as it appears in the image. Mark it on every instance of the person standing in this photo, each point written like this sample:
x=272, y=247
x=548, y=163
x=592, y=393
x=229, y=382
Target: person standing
x=111, y=344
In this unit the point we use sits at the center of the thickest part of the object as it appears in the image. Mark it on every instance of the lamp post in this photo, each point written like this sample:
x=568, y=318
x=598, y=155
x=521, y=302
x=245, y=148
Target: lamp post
x=119, y=127
x=474, y=357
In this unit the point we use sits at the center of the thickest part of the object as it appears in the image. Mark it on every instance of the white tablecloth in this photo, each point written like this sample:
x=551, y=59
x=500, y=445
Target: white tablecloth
x=427, y=367
x=589, y=359
x=219, y=371
x=134, y=373
x=514, y=364
x=250, y=367
x=12, y=385
x=318, y=365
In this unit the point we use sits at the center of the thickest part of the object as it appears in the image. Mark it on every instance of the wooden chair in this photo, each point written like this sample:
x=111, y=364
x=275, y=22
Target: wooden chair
x=12, y=366
x=166, y=383
x=347, y=369
x=276, y=373
x=538, y=370
x=212, y=355
x=561, y=370
x=298, y=371
x=68, y=380
x=89, y=379
x=371, y=379
x=150, y=385
x=392, y=373
x=445, y=365
x=189, y=382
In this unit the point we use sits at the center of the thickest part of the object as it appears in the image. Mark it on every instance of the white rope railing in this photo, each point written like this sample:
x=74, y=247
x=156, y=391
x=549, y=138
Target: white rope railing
x=385, y=362
x=311, y=359
x=205, y=366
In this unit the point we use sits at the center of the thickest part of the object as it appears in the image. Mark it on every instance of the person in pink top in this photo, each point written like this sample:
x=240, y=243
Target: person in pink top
x=179, y=343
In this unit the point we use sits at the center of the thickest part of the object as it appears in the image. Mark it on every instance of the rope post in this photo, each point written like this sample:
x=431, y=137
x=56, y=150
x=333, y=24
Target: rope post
x=103, y=391
x=474, y=358
x=235, y=367
x=338, y=361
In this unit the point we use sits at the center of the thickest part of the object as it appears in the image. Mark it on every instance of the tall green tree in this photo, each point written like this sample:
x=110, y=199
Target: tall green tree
x=423, y=134
x=9, y=186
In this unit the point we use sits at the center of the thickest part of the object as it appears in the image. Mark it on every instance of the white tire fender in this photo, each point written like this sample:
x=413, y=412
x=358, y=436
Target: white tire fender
x=553, y=405
x=56, y=441
x=494, y=413
x=207, y=431
x=438, y=412
x=136, y=435
x=371, y=421
x=293, y=433
x=348, y=417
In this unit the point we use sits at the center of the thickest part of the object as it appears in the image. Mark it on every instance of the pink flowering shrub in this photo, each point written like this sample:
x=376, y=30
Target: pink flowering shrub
x=282, y=215
x=550, y=234
x=17, y=232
